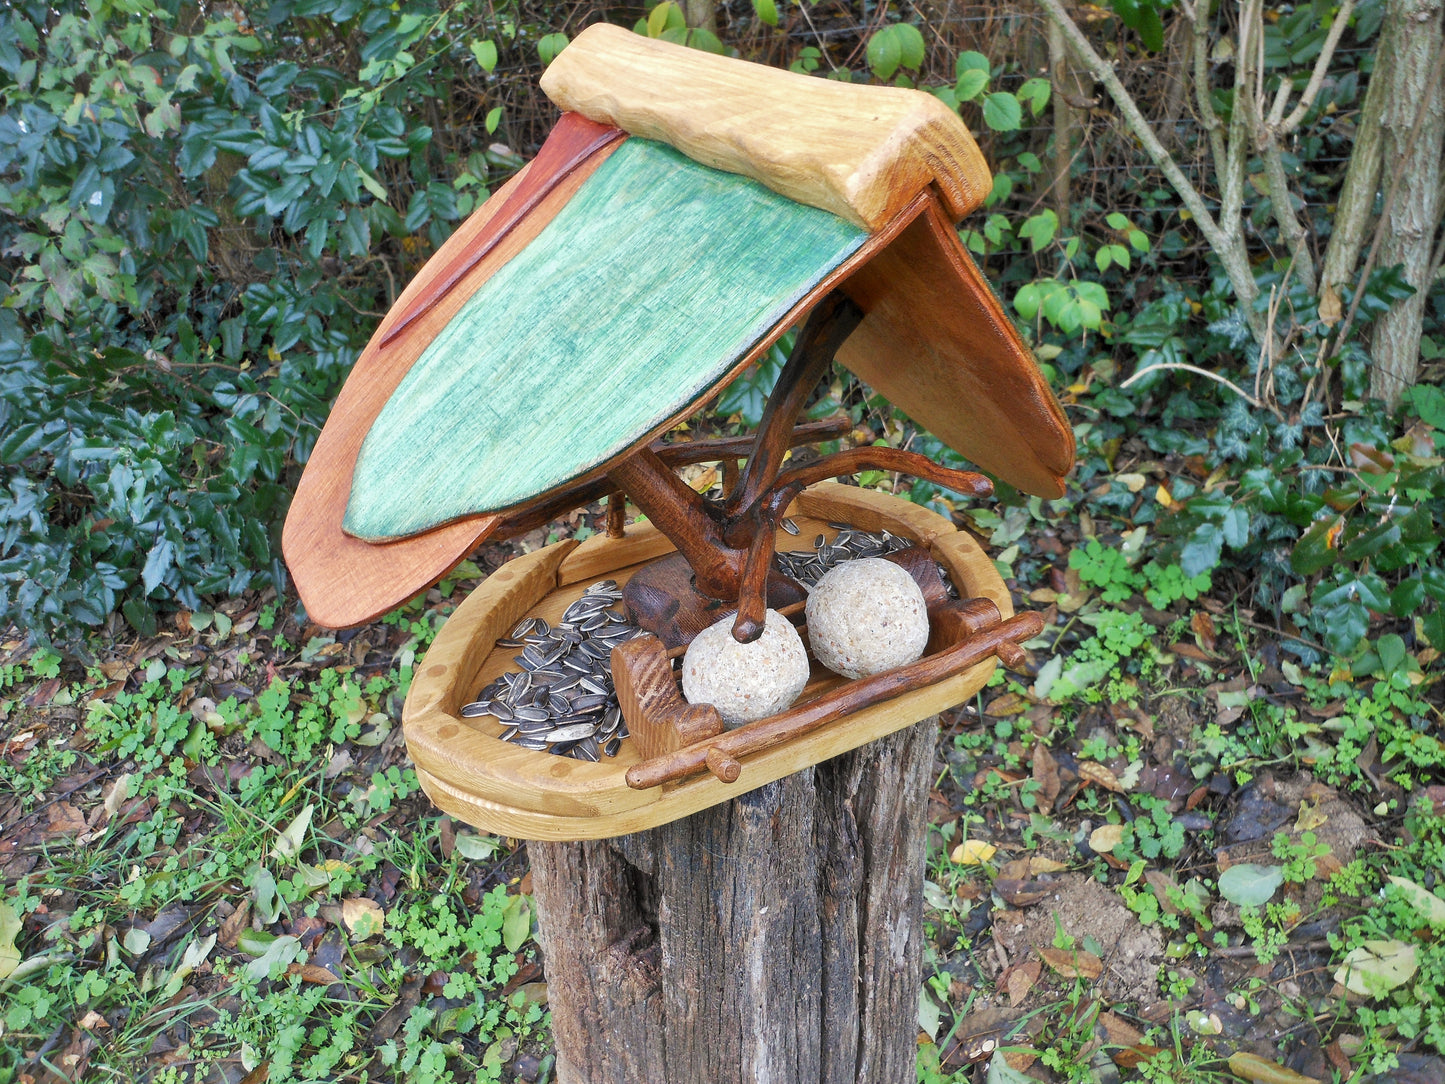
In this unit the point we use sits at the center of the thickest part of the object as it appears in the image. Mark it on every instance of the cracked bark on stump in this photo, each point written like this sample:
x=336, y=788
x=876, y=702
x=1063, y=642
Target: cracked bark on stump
x=774, y=938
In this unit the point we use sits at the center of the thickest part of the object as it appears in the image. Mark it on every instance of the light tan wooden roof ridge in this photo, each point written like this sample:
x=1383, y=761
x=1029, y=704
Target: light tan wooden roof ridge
x=861, y=152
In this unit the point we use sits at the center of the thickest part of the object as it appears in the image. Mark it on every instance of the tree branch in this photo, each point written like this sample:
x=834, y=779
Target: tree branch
x=1317, y=77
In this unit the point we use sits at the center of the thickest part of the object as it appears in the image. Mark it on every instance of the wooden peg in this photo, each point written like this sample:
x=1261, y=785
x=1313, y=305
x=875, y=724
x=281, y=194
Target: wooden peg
x=1012, y=656
x=953, y=624
x=725, y=767
x=616, y=514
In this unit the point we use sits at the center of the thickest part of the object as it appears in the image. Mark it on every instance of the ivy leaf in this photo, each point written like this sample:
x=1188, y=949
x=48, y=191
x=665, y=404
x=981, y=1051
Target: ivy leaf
x=1201, y=552
x=1250, y=884
x=1434, y=624
x=1236, y=528
x=159, y=561
x=1345, y=625
x=767, y=11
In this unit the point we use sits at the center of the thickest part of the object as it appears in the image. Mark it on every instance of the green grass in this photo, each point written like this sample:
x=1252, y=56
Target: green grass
x=248, y=878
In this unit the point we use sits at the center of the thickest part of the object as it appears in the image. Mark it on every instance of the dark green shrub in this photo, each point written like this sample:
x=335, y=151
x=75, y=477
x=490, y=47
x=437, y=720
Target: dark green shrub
x=201, y=222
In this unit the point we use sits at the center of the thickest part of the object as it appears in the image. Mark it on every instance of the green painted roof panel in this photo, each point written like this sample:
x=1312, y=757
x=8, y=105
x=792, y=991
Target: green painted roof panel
x=635, y=301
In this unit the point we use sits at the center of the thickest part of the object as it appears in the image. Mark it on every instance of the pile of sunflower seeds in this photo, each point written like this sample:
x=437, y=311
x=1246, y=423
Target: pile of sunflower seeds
x=848, y=545
x=562, y=699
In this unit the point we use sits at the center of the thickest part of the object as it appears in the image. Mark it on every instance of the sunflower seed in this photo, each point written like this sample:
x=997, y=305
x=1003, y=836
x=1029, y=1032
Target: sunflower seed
x=613, y=744
x=476, y=708
x=574, y=732
x=788, y=525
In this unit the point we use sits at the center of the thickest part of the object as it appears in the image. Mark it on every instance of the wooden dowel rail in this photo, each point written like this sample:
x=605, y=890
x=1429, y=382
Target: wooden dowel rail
x=725, y=750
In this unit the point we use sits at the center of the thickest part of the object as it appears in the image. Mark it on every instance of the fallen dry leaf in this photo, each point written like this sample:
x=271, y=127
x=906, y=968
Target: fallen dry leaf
x=1007, y=704
x=972, y=852
x=1092, y=772
x=1016, y=868
x=312, y=973
x=1103, y=839
x=1160, y=884
x=1309, y=818
x=1202, y=625
x=1018, y=893
x=1039, y=864
x=238, y=920
x=1046, y=775
x=1129, y=1041
x=363, y=918
x=1261, y=1071
x=64, y=819
x=1021, y=979
x=1075, y=964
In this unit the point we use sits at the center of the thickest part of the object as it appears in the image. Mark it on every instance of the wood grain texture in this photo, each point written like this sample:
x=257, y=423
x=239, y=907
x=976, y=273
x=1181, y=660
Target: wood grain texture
x=571, y=143
x=469, y=773
x=937, y=342
x=587, y=334
x=861, y=152
x=777, y=937
x=342, y=580
x=658, y=718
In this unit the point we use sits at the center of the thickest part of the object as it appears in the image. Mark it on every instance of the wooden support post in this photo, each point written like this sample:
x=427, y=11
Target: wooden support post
x=776, y=937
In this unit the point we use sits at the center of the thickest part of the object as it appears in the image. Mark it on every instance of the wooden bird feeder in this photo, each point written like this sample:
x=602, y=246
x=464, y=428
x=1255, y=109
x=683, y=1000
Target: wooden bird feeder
x=686, y=211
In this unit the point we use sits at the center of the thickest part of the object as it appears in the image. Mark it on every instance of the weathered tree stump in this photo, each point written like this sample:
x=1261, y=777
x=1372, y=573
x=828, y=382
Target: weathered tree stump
x=774, y=938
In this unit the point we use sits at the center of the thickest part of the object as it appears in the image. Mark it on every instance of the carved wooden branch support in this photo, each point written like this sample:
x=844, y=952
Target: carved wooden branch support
x=728, y=549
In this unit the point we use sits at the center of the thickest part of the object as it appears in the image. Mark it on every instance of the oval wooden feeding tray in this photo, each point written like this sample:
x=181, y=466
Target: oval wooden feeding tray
x=469, y=772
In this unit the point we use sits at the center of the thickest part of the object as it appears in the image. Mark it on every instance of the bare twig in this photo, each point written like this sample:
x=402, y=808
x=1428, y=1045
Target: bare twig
x=1231, y=385
x=1317, y=77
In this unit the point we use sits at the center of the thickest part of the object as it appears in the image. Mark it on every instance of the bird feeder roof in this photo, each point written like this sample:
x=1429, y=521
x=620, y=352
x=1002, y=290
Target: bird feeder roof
x=687, y=210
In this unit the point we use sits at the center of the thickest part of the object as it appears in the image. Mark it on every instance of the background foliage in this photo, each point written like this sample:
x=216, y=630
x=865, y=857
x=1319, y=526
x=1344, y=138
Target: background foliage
x=207, y=210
